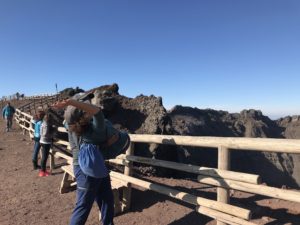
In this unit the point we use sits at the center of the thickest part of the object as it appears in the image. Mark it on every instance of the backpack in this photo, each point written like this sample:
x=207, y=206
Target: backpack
x=116, y=143
x=91, y=161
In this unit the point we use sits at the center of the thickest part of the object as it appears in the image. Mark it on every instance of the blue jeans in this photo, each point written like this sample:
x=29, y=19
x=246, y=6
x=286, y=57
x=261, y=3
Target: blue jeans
x=8, y=122
x=90, y=189
x=36, y=150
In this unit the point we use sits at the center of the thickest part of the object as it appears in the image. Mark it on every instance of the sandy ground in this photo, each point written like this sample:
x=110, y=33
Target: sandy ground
x=28, y=199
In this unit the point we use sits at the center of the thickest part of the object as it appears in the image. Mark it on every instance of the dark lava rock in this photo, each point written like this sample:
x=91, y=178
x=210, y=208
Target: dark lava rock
x=275, y=168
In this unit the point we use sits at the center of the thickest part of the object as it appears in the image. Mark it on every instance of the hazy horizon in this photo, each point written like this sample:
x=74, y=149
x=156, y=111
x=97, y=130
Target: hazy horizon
x=272, y=115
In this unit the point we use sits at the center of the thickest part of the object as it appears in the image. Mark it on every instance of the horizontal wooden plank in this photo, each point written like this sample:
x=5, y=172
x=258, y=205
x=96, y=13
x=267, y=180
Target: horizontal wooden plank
x=226, y=218
x=244, y=177
x=61, y=155
x=239, y=143
x=289, y=195
x=226, y=208
x=62, y=142
x=233, y=143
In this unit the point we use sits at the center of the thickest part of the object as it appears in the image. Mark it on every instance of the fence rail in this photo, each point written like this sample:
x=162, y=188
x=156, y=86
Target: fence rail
x=236, y=143
x=221, y=177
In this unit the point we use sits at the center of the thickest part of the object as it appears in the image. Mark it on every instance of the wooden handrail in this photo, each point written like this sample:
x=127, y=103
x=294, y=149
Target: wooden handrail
x=211, y=172
x=233, y=143
x=238, y=143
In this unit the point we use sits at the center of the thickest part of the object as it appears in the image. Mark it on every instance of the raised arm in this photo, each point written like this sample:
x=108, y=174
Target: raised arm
x=88, y=108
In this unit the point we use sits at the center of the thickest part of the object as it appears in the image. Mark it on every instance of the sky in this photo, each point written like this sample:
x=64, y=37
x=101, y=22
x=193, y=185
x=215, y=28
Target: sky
x=220, y=54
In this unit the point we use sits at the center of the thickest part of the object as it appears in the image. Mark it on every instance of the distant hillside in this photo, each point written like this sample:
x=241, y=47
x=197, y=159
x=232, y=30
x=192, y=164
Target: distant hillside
x=275, y=168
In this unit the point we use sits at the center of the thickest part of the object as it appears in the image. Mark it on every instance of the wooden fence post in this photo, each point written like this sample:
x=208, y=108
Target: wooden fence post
x=52, y=160
x=128, y=171
x=223, y=164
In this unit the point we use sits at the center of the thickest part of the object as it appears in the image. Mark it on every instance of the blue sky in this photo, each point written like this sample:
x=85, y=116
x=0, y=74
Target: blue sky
x=226, y=55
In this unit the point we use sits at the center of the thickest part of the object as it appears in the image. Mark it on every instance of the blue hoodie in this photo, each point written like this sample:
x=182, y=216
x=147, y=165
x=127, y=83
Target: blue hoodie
x=37, y=128
x=8, y=111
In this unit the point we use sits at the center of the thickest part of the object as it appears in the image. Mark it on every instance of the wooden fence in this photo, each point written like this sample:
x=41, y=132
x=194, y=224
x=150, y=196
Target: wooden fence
x=220, y=177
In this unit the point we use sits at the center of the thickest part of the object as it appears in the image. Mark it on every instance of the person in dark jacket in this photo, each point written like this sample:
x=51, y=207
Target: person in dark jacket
x=46, y=138
x=37, y=121
x=8, y=113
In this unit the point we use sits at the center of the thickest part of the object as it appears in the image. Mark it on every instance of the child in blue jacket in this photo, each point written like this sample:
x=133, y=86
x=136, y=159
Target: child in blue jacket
x=38, y=119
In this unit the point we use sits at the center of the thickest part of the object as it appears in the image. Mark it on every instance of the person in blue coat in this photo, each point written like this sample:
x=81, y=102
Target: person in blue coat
x=99, y=140
x=8, y=113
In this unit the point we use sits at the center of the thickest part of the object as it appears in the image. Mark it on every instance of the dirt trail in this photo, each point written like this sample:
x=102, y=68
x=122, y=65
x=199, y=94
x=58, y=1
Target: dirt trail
x=28, y=199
